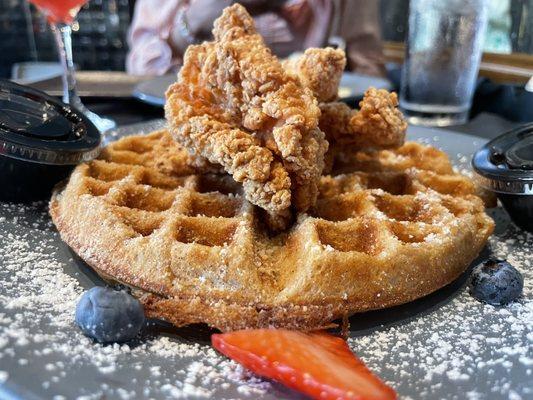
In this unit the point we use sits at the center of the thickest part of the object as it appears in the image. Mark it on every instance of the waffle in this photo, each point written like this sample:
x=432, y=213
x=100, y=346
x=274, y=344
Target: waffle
x=389, y=227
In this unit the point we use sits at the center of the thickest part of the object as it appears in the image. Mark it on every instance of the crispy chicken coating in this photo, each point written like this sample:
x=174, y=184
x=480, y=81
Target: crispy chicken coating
x=378, y=124
x=235, y=105
x=320, y=70
x=379, y=119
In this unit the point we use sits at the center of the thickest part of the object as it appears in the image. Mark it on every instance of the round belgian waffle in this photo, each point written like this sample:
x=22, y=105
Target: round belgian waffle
x=395, y=225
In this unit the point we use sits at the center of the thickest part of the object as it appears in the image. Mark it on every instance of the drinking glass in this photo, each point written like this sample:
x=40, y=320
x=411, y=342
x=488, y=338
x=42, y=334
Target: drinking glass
x=442, y=60
x=60, y=15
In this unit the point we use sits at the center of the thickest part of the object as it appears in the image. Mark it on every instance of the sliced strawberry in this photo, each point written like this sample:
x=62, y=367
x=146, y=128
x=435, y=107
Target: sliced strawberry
x=317, y=364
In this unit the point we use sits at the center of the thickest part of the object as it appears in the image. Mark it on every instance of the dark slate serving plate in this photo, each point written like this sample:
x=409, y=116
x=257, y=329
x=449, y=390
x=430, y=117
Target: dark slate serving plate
x=446, y=345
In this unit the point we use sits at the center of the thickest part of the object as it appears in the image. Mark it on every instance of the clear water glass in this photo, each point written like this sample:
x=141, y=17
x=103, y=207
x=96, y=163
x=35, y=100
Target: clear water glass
x=442, y=58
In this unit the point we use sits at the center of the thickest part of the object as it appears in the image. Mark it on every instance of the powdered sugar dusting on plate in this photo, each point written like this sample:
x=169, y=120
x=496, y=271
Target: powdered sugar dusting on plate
x=462, y=344
x=447, y=346
x=38, y=335
x=464, y=348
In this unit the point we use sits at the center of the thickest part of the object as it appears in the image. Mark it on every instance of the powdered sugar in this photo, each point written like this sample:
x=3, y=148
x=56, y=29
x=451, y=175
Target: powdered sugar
x=445, y=346
x=463, y=346
x=38, y=336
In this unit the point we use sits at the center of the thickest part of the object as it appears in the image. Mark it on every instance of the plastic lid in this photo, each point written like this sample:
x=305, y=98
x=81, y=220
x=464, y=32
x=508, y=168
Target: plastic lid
x=38, y=128
x=506, y=163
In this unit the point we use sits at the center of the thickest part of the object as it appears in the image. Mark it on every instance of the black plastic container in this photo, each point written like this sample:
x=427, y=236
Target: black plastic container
x=506, y=167
x=41, y=140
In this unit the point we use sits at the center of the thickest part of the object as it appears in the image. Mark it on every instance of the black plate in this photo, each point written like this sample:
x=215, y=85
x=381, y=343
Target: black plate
x=446, y=345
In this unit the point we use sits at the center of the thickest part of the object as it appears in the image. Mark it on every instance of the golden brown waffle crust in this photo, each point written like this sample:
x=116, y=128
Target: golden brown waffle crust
x=307, y=277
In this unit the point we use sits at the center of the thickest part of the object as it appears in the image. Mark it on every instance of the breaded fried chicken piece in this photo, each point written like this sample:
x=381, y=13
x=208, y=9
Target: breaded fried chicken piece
x=379, y=119
x=377, y=124
x=320, y=70
x=234, y=104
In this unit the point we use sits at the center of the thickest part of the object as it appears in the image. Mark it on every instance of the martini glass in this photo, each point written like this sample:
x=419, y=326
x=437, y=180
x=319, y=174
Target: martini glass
x=60, y=15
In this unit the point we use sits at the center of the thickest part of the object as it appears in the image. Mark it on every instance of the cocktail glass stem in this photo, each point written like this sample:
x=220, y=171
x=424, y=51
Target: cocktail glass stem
x=63, y=37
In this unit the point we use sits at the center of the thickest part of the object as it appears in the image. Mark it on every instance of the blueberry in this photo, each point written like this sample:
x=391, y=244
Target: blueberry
x=109, y=315
x=496, y=282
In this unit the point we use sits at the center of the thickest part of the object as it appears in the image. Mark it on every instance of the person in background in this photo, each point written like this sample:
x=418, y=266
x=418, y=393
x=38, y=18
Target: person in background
x=161, y=30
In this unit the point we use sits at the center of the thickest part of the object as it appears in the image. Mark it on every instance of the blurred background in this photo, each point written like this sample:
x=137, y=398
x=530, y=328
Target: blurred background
x=101, y=30
x=99, y=35
x=119, y=45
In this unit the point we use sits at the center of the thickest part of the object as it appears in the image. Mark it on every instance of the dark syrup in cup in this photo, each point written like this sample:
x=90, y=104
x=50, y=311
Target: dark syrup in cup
x=506, y=167
x=41, y=140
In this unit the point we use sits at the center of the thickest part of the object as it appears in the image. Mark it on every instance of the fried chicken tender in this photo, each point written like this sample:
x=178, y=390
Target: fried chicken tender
x=234, y=105
x=378, y=124
x=379, y=119
x=320, y=70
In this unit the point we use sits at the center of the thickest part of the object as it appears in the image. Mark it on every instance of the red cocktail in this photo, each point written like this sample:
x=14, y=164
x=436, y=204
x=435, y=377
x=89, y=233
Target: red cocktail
x=60, y=14
x=59, y=10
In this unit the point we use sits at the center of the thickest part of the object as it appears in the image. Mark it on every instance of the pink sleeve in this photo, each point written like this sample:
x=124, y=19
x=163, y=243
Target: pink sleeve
x=317, y=35
x=150, y=52
x=312, y=18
